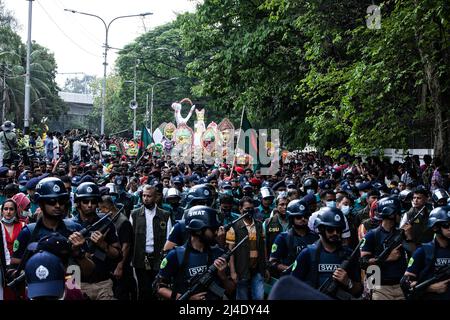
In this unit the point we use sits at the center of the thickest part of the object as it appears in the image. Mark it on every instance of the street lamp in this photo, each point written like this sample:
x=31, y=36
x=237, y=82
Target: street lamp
x=151, y=104
x=134, y=99
x=105, y=63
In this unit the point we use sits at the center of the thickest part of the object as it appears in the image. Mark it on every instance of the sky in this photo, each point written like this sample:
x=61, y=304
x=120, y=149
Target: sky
x=76, y=40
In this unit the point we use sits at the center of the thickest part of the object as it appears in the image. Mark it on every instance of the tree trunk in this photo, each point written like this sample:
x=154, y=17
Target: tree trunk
x=439, y=98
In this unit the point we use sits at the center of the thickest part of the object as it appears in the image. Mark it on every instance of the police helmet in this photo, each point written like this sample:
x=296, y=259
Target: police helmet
x=76, y=181
x=290, y=184
x=440, y=194
x=112, y=188
x=199, y=193
x=406, y=195
x=439, y=215
x=387, y=207
x=87, y=190
x=247, y=186
x=173, y=193
x=24, y=178
x=120, y=181
x=201, y=217
x=226, y=185
x=297, y=208
x=50, y=188
x=330, y=217
x=267, y=193
x=177, y=180
x=310, y=183
x=266, y=184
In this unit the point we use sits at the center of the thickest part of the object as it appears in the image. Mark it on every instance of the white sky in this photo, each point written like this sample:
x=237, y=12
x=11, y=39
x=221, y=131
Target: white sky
x=76, y=40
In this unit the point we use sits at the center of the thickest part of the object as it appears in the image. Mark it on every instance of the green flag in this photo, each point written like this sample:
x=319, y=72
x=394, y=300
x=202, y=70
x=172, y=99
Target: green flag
x=145, y=140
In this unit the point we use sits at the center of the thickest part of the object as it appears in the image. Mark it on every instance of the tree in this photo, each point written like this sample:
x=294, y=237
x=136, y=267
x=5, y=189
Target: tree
x=44, y=91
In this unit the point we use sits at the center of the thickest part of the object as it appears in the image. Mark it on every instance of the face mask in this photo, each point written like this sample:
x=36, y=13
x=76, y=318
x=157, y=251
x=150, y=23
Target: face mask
x=345, y=210
x=250, y=212
x=8, y=221
x=331, y=204
x=310, y=191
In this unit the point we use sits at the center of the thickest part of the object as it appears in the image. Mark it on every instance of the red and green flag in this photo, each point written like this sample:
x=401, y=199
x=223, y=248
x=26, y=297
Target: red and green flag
x=146, y=139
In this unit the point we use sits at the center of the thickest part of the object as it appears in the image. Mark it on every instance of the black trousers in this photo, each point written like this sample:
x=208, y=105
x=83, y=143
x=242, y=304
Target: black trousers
x=145, y=280
x=126, y=287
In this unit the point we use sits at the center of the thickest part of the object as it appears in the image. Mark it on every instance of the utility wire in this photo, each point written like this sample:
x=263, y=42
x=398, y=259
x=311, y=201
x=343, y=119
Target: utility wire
x=60, y=29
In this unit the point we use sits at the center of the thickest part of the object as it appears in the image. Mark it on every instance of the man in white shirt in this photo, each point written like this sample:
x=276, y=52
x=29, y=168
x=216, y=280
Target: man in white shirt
x=77, y=149
x=151, y=226
x=55, y=147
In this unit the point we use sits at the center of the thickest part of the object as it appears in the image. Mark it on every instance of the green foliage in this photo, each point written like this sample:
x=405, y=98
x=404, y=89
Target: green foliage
x=44, y=91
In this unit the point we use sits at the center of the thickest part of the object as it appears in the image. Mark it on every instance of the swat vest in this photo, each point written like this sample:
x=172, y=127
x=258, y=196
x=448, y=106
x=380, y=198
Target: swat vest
x=273, y=228
x=295, y=244
x=193, y=263
x=140, y=233
x=321, y=270
x=429, y=269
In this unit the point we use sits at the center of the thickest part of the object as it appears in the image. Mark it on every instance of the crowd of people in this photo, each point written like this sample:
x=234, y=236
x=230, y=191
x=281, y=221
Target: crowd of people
x=82, y=220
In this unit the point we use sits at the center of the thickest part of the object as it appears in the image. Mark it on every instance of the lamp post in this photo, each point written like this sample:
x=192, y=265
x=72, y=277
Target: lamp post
x=134, y=103
x=26, y=113
x=151, y=103
x=105, y=63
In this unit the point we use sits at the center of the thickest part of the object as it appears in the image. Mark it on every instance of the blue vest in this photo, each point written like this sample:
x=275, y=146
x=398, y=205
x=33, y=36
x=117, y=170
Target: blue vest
x=193, y=264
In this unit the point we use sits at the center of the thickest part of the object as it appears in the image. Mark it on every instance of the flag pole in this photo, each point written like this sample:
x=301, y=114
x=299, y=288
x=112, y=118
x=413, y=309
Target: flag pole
x=237, y=143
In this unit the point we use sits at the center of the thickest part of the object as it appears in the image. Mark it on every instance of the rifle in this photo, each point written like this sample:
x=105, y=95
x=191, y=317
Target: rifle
x=205, y=281
x=100, y=226
x=229, y=225
x=84, y=232
x=443, y=273
x=331, y=287
x=394, y=240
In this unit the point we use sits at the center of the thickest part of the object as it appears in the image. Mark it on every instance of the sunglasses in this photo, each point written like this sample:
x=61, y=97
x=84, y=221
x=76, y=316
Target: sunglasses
x=61, y=201
x=445, y=225
x=333, y=229
x=87, y=201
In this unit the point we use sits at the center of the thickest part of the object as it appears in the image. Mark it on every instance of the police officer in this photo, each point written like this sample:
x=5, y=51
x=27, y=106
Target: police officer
x=124, y=197
x=429, y=257
x=104, y=247
x=53, y=199
x=198, y=195
x=289, y=244
x=321, y=260
x=392, y=269
x=172, y=199
x=440, y=197
x=193, y=258
x=264, y=210
x=276, y=224
x=310, y=186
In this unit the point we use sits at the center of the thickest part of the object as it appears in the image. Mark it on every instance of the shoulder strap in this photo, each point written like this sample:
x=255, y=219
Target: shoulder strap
x=183, y=259
x=378, y=245
x=430, y=251
x=290, y=244
x=7, y=141
x=315, y=250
